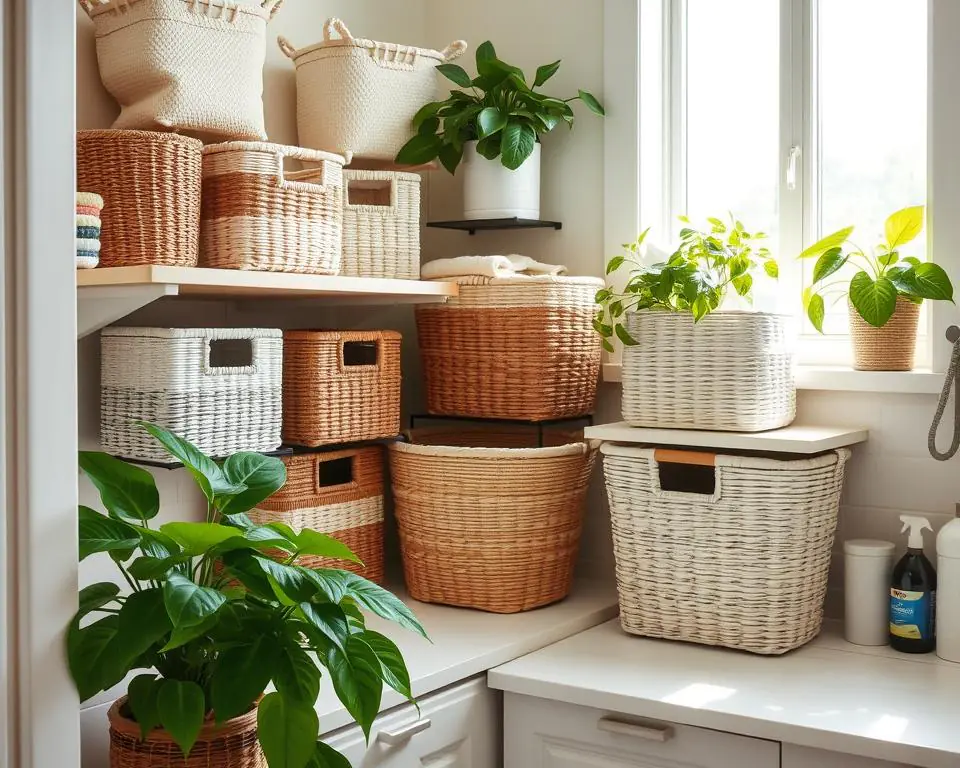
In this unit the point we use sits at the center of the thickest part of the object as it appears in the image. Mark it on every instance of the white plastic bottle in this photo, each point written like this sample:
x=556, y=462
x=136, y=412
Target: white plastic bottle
x=866, y=591
x=948, y=586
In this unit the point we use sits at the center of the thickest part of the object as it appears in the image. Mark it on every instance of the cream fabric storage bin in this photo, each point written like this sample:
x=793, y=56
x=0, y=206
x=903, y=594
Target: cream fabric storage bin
x=219, y=388
x=184, y=65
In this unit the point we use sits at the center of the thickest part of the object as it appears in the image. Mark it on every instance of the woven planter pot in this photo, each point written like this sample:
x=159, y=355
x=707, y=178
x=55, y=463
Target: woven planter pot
x=230, y=745
x=890, y=348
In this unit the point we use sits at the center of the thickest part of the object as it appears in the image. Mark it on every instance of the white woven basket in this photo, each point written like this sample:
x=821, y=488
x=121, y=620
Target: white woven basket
x=165, y=376
x=358, y=97
x=743, y=565
x=731, y=371
x=381, y=224
x=186, y=65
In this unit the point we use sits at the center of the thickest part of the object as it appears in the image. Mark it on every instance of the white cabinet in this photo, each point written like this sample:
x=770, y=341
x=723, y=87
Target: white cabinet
x=458, y=727
x=546, y=734
x=807, y=757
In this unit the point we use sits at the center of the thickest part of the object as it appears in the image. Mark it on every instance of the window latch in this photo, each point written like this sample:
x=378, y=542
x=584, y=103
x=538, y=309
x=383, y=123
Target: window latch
x=793, y=158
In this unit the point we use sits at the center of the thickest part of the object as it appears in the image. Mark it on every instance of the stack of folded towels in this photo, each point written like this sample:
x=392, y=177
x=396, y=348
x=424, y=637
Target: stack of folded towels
x=89, y=206
x=486, y=267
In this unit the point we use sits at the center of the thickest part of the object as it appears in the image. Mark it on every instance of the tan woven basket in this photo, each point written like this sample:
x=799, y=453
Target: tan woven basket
x=150, y=183
x=723, y=550
x=512, y=348
x=232, y=744
x=487, y=521
x=339, y=493
x=256, y=216
x=340, y=386
x=892, y=347
x=381, y=224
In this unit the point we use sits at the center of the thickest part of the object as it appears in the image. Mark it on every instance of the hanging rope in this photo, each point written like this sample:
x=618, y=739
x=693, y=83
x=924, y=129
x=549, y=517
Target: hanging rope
x=952, y=380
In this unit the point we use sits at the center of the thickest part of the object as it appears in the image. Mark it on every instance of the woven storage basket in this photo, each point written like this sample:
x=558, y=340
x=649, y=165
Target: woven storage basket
x=512, y=348
x=892, y=347
x=232, y=744
x=487, y=521
x=257, y=217
x=219, y=388
x=339, y=493
x=89, y=206
x=184, y=65
x=737, y=557
x=340, y=386
x=731, y=371
x=152, y=184
x=359, y=97
x=381, y=224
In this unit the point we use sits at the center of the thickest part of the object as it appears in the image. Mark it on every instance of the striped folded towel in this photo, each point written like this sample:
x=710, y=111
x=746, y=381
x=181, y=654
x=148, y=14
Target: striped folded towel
x=89, y=206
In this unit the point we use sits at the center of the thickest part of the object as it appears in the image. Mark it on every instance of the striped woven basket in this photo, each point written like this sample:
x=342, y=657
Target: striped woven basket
x=723, y=550
x=339, y=493
x=256, y=216
x=89, y=206
x=512, y=348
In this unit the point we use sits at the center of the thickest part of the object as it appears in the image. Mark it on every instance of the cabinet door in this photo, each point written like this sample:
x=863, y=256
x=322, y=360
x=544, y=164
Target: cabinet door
x=808, y=757
x=548, y=734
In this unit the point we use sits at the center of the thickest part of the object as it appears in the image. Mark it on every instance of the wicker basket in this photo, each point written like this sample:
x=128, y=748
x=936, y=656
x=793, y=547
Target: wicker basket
x=340, y=386
x=359, y=97
x=257, y=217
x=152, y=184
x=381, y=224
x=232, y=744
x=184, y=65
x=89, y=206
x=339, y=493
x=722, y=550
x=218, y=388
x=487, y=521
x=512, y=348
x=892, y=347
x=731, y=371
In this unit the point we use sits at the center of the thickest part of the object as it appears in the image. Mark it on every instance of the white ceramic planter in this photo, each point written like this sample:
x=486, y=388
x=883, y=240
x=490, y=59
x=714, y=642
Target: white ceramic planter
x=491, y=191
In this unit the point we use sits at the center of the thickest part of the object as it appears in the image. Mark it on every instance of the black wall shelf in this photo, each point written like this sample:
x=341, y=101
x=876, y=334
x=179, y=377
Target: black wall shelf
x=538, y=425
x=480, y=225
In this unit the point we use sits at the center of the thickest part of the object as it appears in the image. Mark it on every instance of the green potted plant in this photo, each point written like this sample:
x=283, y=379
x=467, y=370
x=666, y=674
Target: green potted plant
x=883, y=295
x=494, y=127
x=214, y=621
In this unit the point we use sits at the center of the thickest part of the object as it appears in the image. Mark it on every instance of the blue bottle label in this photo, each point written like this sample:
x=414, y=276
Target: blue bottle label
x=912, y=614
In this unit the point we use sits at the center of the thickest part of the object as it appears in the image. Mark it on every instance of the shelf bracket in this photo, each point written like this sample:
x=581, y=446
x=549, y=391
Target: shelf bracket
x=98, y=306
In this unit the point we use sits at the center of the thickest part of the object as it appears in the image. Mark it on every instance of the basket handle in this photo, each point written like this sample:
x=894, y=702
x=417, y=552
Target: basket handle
x=300, y=153
x=272, y=6
x=389, y=208
x=691, y=474
x=455, y=50
x=322, y=490
x=332, y=24
x=209, y=369
x=88, y=5
x=673, y=456
x=361, y=369
x=285, y=45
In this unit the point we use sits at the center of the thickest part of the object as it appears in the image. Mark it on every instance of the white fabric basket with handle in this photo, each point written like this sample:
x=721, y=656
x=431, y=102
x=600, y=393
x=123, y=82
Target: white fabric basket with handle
x=732, y=371
x=358, y=97
x=192, y=66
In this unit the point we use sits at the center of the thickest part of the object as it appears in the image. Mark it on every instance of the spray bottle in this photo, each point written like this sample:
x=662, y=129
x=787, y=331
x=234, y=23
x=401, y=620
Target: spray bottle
x=913, y=593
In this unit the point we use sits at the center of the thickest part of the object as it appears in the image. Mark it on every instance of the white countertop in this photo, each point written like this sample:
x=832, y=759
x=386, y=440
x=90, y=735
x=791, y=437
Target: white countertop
x=829, y=694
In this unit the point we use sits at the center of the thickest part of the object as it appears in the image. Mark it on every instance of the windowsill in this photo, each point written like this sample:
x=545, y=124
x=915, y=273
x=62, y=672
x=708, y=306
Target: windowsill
x=836, y=378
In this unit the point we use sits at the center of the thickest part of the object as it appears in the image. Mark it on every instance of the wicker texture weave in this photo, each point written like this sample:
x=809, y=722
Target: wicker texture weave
x=359, y=97
x=381, y=224
x=151, y=182
x=745, y=567
x=512, y=348
x=326, y=400
x=889, y=348
x=165, y=376
x=494, y=528
x=731, y=371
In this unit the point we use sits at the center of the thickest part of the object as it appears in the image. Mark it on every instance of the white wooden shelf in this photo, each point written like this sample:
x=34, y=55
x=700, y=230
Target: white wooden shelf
x=108, y=294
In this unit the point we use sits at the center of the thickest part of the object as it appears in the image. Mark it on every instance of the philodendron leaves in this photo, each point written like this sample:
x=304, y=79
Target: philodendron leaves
x=874, y=300
x=127, y=492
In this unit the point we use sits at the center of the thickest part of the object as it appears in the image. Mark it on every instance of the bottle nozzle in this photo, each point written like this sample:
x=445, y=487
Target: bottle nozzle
x=916, y=525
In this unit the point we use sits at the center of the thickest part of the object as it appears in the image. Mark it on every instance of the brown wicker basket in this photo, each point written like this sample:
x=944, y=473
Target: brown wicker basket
x=150, y=183
x=512, y=348
x=232, y=744
x=340, y=386
x=339, y=493
x=486, y=520
x=889, y=348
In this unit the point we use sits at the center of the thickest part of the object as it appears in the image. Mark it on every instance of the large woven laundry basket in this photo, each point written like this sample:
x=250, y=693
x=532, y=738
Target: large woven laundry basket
x=339, y=493
x=358, y=97
x=723, y=549
x=512, y=348
x=256, y=216
x=219, y=388
x=730, y=371
x=150, y=183
x=184, y=65
x=486, y=520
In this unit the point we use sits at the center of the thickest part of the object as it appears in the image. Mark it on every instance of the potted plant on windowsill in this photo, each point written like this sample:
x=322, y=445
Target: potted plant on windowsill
x=494, y=127
x=213, y=621
x=884, y=294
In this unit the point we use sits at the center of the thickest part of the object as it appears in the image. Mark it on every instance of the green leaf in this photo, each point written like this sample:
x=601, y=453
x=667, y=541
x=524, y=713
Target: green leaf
x=489, y=147
x=143, y=622
x=99, y=533
x=835, y=240
x=816, y=311
x=772, y=269
x=486, y=56
x=625, y=338
x=429, y=127
x=329, y=619
x=287, y=731
x=490, y=120
x=181, y=709
x=889, y=259
x=393, y=669
x=450, y=157
x=142, y=694
x=829, y=262
x=292, y=581
x=150, y=568
x=455, y=73
x=903, y=226
x=615, y=263
x=743, y=284
x=197, y=538
x=419, y=150
x=188, y=604
x=158, y=545
x=545, y=72
x=296, y=675
x=932, y=282
x=183, y=635
x=325, y=756
x=356, y=680
x=246, y=569
x=205, y=471
x=87, y=649
x=607, y=346
x=372, y=597
x=912, y=260
x=241, y=674
x=262, y=476
x=427, y=111
x=127, y=492
x=95, y=596
x=591, y=101
x=874, y=300
x=310, y=542
x=516, y=144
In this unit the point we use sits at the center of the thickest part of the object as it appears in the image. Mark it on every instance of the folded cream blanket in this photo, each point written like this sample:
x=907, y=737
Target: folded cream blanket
x=513, y=265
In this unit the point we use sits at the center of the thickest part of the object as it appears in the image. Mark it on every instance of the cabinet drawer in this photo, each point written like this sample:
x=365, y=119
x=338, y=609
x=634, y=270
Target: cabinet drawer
x=807, y=757
x=546, y=734
x=458, y=727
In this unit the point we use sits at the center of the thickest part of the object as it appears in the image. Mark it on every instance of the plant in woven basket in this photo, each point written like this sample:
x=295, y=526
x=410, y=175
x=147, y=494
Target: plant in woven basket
x=214, y=620
x=500, y=110
x=881, y=276
x=695, y=278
